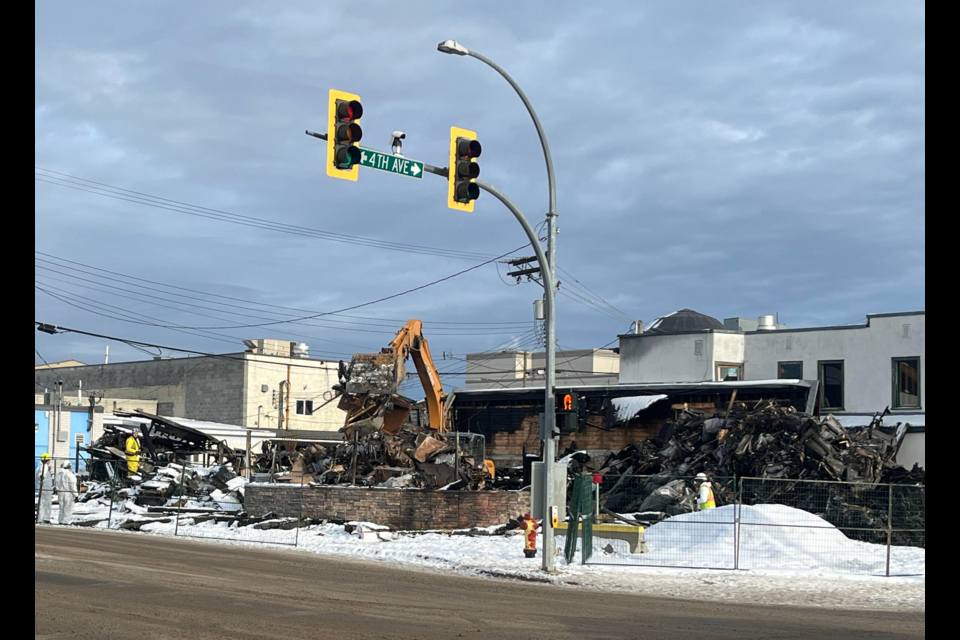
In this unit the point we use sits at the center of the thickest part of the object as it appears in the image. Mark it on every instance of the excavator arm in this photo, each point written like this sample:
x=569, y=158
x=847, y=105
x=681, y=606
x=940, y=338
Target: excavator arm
x=411, y=343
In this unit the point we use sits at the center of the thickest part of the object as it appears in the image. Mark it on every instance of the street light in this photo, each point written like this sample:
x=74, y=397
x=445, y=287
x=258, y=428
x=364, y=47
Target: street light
x=548, y=272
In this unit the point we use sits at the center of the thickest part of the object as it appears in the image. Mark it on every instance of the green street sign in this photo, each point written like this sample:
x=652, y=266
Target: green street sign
x=393, y=164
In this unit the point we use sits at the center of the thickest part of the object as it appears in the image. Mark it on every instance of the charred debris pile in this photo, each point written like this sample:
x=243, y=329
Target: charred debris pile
x=762, y=440
x=412, y=457
x=166, y=477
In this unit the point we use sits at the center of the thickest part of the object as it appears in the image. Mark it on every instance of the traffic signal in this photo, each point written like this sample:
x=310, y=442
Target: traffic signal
x=462, y=189
x=567, y=410
x=343, y=135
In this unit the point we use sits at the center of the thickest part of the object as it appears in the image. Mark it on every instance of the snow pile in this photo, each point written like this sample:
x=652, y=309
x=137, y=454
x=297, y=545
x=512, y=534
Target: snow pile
x=771, y=537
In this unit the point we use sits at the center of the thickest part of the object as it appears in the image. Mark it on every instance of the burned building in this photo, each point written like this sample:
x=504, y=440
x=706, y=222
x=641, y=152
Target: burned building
x=606, y=416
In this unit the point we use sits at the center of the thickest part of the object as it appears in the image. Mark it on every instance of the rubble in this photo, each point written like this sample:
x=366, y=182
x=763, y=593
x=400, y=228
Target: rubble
x=413, y=457
x=763, y=440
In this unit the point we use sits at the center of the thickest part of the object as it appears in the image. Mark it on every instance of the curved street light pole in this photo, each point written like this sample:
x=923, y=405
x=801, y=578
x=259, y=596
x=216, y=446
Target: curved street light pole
x=548, y=271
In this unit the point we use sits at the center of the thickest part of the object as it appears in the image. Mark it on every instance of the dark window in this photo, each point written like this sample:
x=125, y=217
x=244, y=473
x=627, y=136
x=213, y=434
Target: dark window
x=831, y=384
x=906, y=383
x=790, y=370
x=304, y=407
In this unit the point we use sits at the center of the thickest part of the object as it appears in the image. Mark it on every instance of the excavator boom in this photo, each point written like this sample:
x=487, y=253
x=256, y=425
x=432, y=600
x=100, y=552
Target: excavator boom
x=382, y=373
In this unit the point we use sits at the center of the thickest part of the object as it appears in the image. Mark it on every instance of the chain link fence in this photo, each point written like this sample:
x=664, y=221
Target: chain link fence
x=760, y=523
x=103, y=497
x=678, y=541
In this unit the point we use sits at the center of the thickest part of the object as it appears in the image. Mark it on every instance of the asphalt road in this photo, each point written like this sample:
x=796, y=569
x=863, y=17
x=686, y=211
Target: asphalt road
x=97, y=584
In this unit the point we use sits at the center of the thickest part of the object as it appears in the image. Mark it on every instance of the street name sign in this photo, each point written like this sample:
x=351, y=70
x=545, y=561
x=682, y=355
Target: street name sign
x=393, y=164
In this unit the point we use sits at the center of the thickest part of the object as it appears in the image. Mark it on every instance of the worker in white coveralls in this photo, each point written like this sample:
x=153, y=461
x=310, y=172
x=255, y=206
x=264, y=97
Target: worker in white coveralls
x=705, y=499
x=66, y=484
x=44, y=480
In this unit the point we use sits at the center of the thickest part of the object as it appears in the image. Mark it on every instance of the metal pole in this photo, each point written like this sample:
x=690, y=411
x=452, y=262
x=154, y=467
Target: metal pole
x=59, y=413
x=550, y=444
x=889, y=524
x=356, y=436
x=548, y=271
x=247, y=462
x=113, y=492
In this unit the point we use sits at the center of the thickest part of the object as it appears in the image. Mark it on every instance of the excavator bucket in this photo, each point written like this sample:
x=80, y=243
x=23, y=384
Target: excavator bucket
x=376, y=373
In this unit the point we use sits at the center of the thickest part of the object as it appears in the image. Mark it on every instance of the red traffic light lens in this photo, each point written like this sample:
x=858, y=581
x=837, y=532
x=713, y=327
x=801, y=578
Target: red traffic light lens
x=349, y=110
x=468, y=148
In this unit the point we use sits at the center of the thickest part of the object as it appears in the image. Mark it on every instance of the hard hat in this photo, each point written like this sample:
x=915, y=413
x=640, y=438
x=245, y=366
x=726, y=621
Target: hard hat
x=65, y=465
x=702, y=477
x=45, y=456
x=136, y=434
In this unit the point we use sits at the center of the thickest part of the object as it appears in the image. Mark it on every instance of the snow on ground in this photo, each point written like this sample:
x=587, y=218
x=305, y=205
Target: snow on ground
x=787, y=556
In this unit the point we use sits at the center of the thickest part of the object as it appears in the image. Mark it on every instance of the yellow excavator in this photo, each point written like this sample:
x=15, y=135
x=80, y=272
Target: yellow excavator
x=371, y=381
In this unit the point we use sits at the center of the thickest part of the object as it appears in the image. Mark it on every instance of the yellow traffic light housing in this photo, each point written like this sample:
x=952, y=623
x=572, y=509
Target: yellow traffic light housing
x=343, y=135
x=462, y=187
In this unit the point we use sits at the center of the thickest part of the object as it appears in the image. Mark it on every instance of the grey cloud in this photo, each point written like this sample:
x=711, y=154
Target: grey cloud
x=748, y=159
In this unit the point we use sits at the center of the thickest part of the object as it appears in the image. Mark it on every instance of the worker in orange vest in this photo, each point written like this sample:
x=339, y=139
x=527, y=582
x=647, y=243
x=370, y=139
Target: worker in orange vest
x=529, y=526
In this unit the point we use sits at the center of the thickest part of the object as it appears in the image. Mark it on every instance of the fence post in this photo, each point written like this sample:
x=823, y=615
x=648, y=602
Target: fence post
x=889, y=524
x=112, y=492
x=736, y=523
x=296, y=537
x=176, y=527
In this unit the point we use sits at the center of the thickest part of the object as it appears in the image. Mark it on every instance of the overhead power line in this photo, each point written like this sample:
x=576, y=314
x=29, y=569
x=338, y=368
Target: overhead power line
x=70, y=269
x=138, y=197
x=585, y=295
x=351, y=307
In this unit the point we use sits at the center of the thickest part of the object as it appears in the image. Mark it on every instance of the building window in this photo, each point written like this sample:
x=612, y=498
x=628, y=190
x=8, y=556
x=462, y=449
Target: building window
x=790, y=370
x=831, y=384
x=304, y=407
x=727, y=372
x=698, y=347
x=906, y=383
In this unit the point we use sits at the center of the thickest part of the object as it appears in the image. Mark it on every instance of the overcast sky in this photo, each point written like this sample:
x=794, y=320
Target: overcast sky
x=733, y=158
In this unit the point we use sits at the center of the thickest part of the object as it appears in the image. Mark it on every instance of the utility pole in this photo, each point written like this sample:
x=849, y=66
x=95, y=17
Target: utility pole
x=59, y=413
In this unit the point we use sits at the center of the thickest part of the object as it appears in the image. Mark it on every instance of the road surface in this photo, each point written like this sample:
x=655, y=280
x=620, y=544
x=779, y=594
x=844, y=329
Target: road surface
x=99, y=584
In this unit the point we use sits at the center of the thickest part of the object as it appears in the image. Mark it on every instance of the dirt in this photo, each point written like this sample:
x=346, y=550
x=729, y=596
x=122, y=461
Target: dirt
x=98, y=584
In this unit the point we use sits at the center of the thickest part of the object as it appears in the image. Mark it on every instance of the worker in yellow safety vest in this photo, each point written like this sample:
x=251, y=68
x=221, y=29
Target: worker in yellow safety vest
x=133, y=453
x=705, y=499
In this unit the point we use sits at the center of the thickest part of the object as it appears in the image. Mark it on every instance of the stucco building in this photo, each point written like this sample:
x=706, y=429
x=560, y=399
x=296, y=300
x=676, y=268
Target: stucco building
x=273, y=384
x=860, y=369
x=517, y=369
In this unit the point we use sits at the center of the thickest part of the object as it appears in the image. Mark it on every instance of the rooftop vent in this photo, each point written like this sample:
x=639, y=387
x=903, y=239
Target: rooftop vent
x=766, y=323
x=300, y=349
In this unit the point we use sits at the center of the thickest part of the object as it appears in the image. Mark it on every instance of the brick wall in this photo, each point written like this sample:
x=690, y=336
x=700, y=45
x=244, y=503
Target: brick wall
x=594, y=436
x=404, y=509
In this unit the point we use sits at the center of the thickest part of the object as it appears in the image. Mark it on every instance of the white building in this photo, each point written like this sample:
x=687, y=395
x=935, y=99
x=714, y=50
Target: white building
x=861, y=369
x=514, y=369
x=273, y=384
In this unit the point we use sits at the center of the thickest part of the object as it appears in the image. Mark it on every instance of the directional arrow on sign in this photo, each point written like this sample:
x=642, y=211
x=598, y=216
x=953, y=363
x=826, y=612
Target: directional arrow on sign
x=390, y=163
